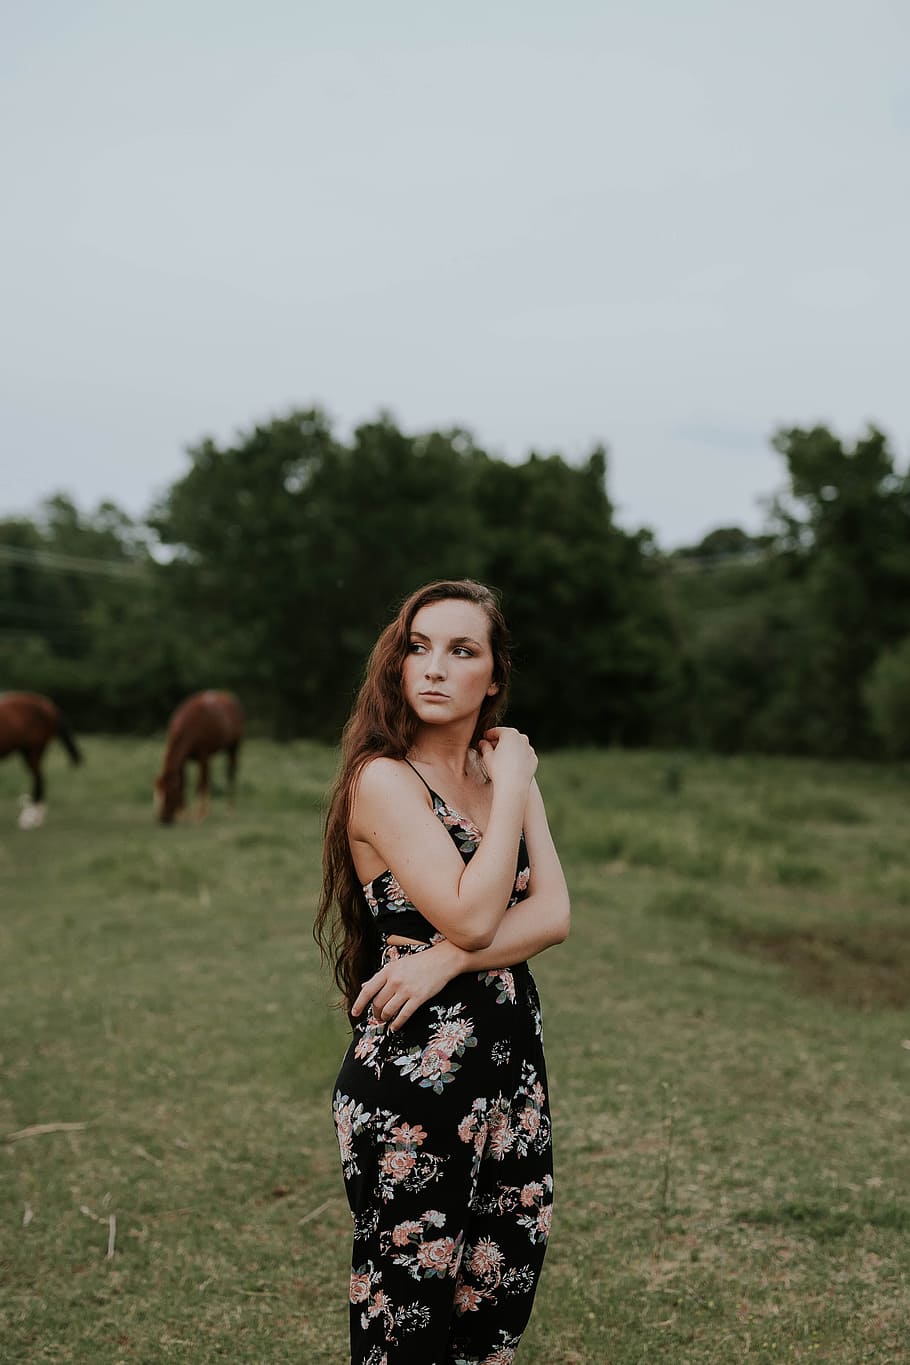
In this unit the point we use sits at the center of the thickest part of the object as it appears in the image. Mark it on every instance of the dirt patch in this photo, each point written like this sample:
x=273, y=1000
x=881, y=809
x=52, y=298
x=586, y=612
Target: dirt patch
x=868, y=968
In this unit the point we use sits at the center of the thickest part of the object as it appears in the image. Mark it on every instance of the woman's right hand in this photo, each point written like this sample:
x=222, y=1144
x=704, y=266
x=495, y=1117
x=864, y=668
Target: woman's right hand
x=507, y=756
x=405, y=983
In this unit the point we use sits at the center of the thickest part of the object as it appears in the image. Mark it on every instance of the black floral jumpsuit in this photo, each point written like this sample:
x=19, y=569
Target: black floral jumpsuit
x=444, y=1131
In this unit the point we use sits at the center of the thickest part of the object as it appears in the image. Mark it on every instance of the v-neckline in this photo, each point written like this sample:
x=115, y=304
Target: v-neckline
x=457, y=813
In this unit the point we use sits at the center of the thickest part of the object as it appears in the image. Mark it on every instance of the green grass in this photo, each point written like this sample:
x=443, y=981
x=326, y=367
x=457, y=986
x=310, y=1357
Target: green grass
x=727, y=1033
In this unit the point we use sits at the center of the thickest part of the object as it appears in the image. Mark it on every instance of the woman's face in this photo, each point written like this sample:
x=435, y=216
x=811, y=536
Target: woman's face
x=448, y=669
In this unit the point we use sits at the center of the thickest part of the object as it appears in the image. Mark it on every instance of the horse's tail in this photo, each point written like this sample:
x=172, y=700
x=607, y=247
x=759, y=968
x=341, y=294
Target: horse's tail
x=64, y=734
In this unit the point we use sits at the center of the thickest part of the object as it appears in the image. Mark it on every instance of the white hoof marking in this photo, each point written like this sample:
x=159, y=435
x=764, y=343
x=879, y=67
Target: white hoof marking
x=31, y=816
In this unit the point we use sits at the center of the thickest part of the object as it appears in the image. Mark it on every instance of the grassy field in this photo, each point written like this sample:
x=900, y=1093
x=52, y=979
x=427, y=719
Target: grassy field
x=727, y=1033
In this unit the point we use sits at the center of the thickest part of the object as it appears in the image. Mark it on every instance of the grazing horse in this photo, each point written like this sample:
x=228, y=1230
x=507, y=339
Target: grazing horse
x=28, y=723
x=201, y=726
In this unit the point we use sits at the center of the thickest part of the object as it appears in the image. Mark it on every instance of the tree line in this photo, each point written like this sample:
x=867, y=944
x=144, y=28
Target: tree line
x=270, y=566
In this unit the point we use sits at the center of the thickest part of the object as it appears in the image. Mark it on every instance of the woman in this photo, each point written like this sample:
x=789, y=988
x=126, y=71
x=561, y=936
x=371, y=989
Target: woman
x=441, y=879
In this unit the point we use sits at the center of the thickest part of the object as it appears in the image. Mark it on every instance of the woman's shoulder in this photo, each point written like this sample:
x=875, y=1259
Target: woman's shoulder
x=382, y=777
x=386, y=789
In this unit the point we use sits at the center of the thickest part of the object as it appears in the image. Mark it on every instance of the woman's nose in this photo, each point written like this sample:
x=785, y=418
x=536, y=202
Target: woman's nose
x=435, y=667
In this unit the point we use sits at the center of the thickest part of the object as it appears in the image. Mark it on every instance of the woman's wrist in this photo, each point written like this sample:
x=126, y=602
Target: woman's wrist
x=455, y=958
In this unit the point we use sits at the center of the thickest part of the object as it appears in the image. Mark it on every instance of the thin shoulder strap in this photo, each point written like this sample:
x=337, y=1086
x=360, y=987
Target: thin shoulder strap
x=423, y=779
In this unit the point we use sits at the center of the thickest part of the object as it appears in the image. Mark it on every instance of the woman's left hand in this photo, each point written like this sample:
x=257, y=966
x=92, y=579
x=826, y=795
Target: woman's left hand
x=405, y=983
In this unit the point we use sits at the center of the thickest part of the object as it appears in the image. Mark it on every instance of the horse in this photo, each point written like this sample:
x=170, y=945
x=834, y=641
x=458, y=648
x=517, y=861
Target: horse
x=28, y=723
x=204, y=724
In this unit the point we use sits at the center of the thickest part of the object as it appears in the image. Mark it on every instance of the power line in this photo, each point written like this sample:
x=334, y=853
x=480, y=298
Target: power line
x=49, y=559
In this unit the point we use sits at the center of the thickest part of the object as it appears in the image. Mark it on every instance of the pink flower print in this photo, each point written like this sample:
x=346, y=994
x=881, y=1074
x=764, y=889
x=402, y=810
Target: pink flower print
x=396, y=891
x=379, y=1303
x=544, y=1220
x=397, y=1165
x=530, y=1193
x=485, y=1258
x=521, y=881
x=501, y=1138
x=408, y=1136
x=369, y=1041
x=467, y=1300
x=503, y=1355
x=436, y=1256
x=503, y=979
x=350, y=1118
x=466, y=1128
x=360, y=1287
x=452, y=1034
x=530, y=1120
x=537, y=1094
x=434, y=1062
x=372, y=902
x=343, y=1129
x=403, y=1232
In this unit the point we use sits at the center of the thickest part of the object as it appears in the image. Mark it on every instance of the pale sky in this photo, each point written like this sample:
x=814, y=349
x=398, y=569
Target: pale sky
x=666, y=226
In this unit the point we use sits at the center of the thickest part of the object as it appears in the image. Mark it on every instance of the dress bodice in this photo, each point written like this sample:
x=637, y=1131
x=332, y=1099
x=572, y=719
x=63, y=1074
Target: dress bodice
x=389, y=902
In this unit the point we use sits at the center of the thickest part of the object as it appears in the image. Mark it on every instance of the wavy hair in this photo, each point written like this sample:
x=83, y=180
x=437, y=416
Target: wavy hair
x=382, y=724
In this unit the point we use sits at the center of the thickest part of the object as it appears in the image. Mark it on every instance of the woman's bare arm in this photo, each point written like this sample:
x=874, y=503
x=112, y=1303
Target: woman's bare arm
x=525, y=930
x=465, y=902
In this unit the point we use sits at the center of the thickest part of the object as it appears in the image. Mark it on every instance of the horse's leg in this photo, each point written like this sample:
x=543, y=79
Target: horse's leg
x=231, y=773
x=33, y=810
x=203, y=789
x=33, y=763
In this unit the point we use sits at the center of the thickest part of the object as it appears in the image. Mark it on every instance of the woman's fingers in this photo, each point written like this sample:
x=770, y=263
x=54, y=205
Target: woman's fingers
x=508, y=754
x=381, y=999
x=392, y=1006
x=401, y=987
x=368, y=991
x=405, y=1012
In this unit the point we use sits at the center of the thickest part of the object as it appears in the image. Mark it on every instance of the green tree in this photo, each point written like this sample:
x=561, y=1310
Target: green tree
x=596, y=662
x=78, y=616
x=887, y=696
x=291, y=550
x=844, y=539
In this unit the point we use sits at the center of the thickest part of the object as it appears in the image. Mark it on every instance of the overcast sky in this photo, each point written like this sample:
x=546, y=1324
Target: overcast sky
x=666, y=225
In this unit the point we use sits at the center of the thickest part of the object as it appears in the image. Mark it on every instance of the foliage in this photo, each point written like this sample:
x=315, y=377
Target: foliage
x=280, y=556
x=887, y=694
x=844, y=536
x=293, y=549
x=81, y=617
x=781, y=638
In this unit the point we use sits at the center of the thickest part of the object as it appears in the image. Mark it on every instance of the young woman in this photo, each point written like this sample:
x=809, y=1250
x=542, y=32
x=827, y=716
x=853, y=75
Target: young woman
x=441, y=879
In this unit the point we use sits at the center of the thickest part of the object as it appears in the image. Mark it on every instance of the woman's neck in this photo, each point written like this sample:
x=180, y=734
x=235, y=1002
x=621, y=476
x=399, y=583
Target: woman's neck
x=446, y=751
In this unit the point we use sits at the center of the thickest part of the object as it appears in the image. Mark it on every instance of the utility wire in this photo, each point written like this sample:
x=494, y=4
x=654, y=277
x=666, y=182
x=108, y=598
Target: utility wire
x=49, y=559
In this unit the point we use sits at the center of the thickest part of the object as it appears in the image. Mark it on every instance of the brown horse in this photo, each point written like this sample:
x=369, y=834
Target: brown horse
x=28, y=723
x=201, y=726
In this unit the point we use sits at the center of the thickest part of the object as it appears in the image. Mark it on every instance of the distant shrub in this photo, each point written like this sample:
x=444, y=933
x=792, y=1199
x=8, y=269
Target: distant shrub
x=887, y=697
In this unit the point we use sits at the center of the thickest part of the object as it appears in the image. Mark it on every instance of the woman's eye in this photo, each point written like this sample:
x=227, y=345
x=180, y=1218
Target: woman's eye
x=416, y=648
x=463, y=652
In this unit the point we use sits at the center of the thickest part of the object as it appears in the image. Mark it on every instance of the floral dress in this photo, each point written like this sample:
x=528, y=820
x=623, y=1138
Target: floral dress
x=444, y=1132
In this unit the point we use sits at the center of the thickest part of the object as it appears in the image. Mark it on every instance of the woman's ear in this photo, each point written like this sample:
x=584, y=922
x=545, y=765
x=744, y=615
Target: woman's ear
x=493, y=689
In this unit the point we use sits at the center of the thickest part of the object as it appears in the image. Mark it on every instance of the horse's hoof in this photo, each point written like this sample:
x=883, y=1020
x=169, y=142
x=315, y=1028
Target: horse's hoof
x=31, y=816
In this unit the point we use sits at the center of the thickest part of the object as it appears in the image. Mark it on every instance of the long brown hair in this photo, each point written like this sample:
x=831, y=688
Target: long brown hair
x=382, y=724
